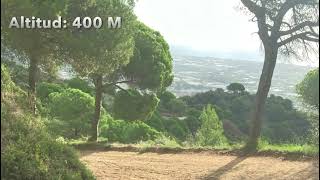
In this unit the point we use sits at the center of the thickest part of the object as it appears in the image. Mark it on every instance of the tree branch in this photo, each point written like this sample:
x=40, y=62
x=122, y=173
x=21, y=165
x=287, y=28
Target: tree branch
x=119, y=87
x=253, y=7
x=300, y=26
x=287, y=5
x=302, y=36
x=119, y=82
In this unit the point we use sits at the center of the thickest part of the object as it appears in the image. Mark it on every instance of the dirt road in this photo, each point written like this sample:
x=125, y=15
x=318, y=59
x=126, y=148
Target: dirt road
x=132, y=165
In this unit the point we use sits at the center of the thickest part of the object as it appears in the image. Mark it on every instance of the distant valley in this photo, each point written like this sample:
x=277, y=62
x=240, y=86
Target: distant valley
x=199, y=74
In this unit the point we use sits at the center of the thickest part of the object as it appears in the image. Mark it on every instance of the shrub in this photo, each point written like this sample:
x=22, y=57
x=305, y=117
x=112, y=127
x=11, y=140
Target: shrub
x=177, y=106
x=133, y=105
x=77, y=83
x=27, y=150
x=128, y=132
x=45, y=89
x=314, y=130
x=160, y=141
x=156, y=121
x=211, y=131
x=72, y=110
x=176, y=128
x=308, y=89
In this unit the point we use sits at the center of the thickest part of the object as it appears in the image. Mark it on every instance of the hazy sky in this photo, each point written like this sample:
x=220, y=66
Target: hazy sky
x=204, y=25
x=208, y=25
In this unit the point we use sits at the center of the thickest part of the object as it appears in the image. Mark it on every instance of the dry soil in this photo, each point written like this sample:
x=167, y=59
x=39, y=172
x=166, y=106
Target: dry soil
x=183, y=166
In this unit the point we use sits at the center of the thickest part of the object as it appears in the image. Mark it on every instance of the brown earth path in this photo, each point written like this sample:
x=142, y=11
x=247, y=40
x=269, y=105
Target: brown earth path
x=183, y=166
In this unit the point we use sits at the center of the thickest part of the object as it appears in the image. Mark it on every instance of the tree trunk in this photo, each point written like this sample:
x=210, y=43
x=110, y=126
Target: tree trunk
x=98, y=99
x=75, y=132
x=32, y=84
x=271, y=53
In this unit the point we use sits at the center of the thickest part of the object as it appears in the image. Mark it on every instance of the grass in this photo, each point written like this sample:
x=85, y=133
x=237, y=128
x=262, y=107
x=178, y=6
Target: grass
x=168, y=143
x=162, y=141
x=305, y=149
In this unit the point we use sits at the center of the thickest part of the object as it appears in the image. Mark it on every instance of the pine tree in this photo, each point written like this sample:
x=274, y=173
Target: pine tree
x=211, y=129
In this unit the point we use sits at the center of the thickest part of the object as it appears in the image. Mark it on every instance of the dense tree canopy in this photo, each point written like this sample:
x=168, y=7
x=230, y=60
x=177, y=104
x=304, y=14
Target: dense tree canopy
x=149, y=70
x=38, y=45
x=134, y=105
x=151, y=65
x=282, y=121
x=99, y=52
x=308, y=89
x=236, y=87
x=74, y=109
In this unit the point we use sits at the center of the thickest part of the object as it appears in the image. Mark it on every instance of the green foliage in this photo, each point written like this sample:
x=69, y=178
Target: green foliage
x=176, y=128
x=192, y=120
x=27, y=150
x=172, y=105
x=166, y=96
x=128, y=132
x=160, y=141
x=19, y=73
x=282, y=122
x=236, y=88
x=9, y=90
x=151, y=65
x=308, y=89
x=78, y=83
x=306, y=149
x=177, y=106
x=72, y=111
x=7, y=86
x=36, y=44
x=314, y=130
x=99, y=51
x=133, y=105
x=156, y=121
x=45, y=89
x=211, y=130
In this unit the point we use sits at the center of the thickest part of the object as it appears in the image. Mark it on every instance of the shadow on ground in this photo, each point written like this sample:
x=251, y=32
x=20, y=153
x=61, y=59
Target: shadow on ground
x=309, y=173
x=224, y=169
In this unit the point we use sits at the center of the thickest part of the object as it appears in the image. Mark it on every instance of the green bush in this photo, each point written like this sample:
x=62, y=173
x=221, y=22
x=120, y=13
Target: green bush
x=160, y=141
x=27, y=150
x=314, y=130
x=177, y=106
x=176, y=128
x=236, y=87
x=171, y=126
x=133, y=105
x=308, y=89
x=283, y=123
x=72, y=111
x=45, y=89
x=211, y=131
x=156, y=121
x=77, y=83
x=128, y=132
